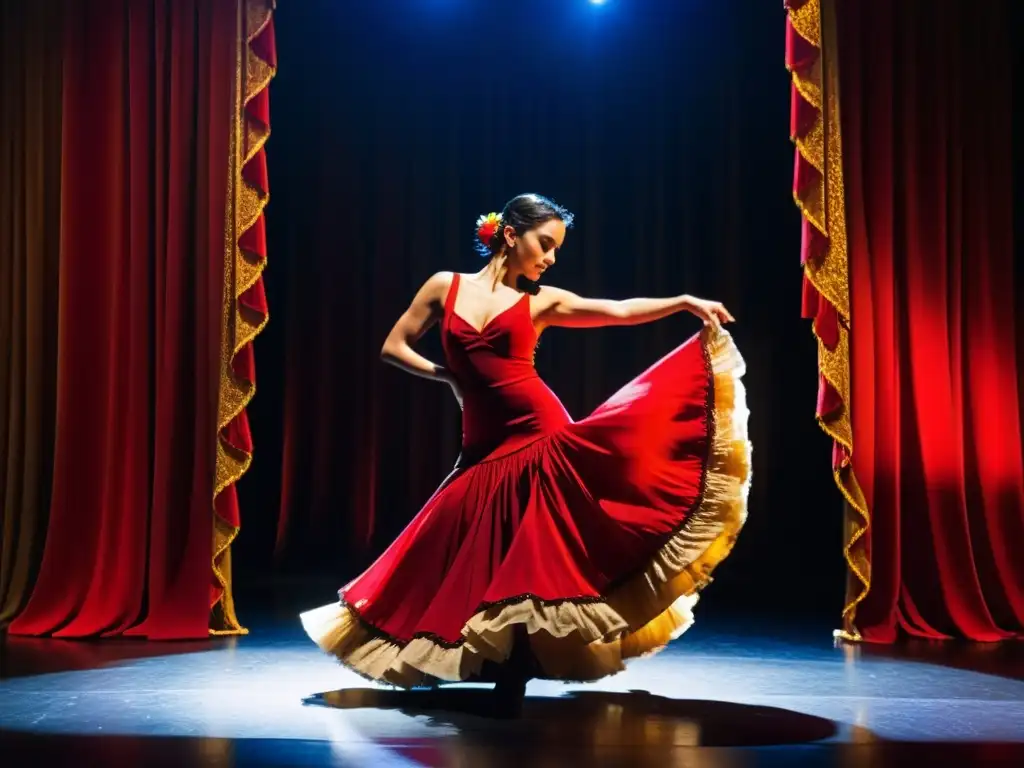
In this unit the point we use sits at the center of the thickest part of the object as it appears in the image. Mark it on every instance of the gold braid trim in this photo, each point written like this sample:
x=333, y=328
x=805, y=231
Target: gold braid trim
x=578, y=640
x=823, y=204
x=242, y=270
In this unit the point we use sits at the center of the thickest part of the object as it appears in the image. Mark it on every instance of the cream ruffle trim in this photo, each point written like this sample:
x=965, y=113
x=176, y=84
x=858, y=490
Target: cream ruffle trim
x=588, y=641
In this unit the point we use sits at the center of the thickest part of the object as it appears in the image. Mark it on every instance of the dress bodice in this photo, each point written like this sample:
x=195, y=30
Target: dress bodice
x=506, y=405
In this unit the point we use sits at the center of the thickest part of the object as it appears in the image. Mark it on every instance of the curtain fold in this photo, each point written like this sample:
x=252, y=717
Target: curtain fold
x=244, y=309
x=819, y=193
x=936, y=317
x=30, y=139
x=146, y=99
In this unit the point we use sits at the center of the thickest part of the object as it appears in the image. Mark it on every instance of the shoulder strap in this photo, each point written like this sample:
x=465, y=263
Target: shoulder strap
x=453, y=289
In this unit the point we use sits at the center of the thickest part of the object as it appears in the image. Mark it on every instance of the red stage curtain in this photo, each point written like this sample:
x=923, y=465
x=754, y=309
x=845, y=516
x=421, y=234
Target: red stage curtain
x=244, y=312
x=30, y=137
x=936, y=408
x=147, y=95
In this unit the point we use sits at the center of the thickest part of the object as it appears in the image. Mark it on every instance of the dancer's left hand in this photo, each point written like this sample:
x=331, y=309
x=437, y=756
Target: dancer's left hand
x=713, y=313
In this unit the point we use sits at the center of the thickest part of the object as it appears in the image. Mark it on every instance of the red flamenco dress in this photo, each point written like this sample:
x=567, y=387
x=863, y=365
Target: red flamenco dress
x=591, y=538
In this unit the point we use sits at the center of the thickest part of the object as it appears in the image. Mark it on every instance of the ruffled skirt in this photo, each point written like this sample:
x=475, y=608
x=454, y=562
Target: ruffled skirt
x=593, y=542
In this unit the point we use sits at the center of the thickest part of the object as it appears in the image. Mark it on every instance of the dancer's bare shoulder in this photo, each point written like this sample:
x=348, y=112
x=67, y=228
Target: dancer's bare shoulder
x=426, y=307
x=431, y=296
x=438, y=284
x=548, y=296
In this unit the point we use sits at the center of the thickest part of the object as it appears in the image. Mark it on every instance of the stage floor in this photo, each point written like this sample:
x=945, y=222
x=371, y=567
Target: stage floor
x=726, y=694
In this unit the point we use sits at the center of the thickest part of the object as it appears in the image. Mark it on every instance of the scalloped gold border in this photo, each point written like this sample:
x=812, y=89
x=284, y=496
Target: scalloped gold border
x=824, y=206
x=240, y=325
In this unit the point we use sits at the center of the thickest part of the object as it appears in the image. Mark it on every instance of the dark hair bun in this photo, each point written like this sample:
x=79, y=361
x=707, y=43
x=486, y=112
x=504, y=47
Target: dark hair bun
x=522, y=213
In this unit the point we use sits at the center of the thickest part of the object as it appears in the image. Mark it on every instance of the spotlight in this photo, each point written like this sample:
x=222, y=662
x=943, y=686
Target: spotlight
x=597, y=2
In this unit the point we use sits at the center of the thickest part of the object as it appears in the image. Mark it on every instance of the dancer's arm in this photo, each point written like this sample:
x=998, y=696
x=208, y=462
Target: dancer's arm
x=564, y=308
x=426, y=308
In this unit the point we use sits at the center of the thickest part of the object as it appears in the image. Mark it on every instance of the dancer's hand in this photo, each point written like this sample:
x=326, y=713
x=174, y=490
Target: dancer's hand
x=713, y=313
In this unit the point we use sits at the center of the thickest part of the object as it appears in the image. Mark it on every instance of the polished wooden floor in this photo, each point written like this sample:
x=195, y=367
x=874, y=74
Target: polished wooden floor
x=729, y=693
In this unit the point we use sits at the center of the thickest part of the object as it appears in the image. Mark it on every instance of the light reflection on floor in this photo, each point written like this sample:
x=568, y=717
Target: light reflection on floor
x=714, y=688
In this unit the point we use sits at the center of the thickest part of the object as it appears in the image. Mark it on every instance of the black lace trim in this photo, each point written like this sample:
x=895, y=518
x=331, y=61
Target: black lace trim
x=709, y=412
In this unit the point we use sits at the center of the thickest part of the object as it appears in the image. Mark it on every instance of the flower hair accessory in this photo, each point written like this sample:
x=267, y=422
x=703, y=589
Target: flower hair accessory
x=486, y=226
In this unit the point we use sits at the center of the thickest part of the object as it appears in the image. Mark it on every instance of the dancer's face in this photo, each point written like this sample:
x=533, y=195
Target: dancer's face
x=534, y=252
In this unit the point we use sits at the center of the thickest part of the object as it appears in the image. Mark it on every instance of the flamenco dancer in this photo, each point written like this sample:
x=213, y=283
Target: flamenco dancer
x=556, y=549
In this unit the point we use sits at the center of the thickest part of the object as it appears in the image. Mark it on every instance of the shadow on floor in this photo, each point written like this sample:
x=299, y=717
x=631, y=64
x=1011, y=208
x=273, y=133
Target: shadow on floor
x=601, y=718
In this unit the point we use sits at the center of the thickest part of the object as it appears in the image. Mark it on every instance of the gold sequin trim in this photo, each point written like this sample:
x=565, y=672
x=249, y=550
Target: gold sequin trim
x=806, y=21
x=240, y=325
x=823, y=204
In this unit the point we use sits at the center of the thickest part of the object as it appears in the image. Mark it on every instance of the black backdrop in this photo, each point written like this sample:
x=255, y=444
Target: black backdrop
x=662, y=124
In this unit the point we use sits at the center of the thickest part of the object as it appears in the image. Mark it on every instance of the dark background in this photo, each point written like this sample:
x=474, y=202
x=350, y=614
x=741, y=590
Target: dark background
x=662, y=124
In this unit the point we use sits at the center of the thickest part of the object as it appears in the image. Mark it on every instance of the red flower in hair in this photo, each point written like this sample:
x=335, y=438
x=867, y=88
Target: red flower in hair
x=486, y=226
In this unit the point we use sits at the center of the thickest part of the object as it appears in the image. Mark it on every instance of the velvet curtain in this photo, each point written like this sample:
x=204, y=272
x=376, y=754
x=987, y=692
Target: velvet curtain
x=123, y=314
x=30, y=139
x=925, y=92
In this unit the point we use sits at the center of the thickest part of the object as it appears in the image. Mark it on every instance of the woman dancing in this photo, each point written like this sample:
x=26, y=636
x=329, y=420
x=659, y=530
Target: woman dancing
x=556, y=549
